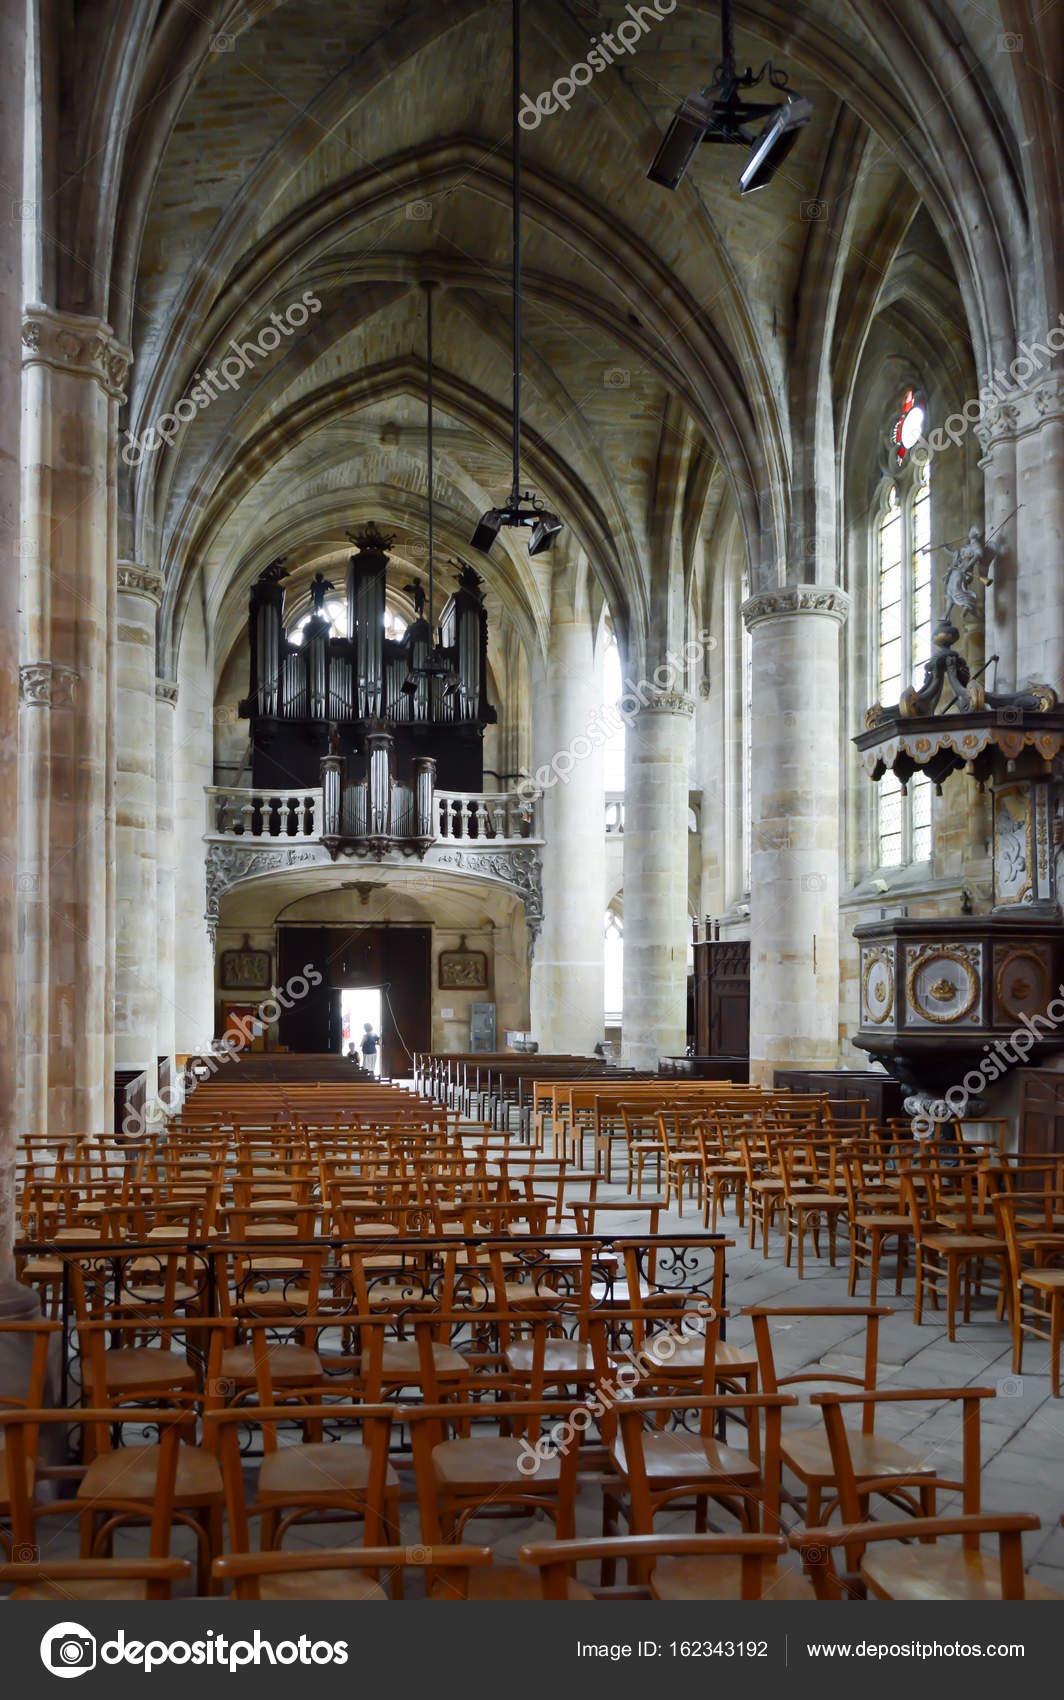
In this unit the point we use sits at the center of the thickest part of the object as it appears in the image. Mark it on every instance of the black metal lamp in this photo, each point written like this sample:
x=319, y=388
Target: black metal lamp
x=519, y=509
x=718, y=113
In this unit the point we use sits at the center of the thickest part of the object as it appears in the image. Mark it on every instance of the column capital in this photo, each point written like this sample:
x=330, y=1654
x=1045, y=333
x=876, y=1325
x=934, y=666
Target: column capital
x=75, y=344
x=166, y=691
x=141, y=581
x=1020, y=412
x=788, y=599
x=45, y=684
x=668, y=702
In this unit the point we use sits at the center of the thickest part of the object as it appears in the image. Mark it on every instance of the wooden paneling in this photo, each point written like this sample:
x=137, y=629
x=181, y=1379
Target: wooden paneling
x=883, y=1095
x=1041, y=1112
x=722, y=998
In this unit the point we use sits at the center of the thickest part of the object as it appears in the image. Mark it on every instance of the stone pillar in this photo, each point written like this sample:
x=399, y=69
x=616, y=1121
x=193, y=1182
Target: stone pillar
x=1040, y=536
x=165, y=870
x=73, y=371
x=656, y=927
x=15, y=1301
x=567, y=971
x=794, y=882
x=193, y=769
x=140, y=592
x=1023, y=467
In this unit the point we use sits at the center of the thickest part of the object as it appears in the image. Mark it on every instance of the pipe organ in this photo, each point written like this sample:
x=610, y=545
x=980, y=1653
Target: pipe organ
x=364, y=679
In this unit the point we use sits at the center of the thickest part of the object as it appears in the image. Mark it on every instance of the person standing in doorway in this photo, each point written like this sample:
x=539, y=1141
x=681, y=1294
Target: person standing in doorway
x=371, y=1048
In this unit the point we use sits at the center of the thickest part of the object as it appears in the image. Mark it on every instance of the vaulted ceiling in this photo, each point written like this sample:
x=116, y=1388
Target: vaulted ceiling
x=242, y=158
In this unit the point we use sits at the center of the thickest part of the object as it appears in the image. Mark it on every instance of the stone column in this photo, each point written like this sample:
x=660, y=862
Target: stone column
x=73, y=371
x=193, y=769
x=140, y=592
x=1023, y=468
x=15, y=1301
x=567, y=971
x=165, y=869
x=656, y=925
x=794, y=882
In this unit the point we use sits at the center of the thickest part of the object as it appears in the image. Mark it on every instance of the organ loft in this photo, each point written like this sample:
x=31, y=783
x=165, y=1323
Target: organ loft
x=319, y=691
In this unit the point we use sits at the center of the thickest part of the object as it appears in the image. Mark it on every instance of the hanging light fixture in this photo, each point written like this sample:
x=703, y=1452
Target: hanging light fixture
x=519, y=509
x=435, y=662
x=717, y=113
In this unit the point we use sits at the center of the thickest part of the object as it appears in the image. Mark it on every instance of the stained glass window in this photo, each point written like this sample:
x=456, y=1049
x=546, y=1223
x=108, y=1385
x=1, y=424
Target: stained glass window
x=903, y=628
x=908, y=427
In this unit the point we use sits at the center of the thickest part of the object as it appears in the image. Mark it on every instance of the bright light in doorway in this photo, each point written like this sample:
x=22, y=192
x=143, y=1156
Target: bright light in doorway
x=359, y=1004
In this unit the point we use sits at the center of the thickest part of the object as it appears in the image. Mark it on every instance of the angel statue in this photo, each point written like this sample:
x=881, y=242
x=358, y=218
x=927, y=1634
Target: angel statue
x=319, y=590
x=965, y=563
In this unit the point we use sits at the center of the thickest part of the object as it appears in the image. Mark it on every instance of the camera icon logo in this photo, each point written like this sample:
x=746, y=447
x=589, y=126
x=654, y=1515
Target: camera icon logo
x=68, y=1650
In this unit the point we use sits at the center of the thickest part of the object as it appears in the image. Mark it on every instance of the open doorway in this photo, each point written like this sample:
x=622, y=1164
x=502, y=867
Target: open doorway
x=359, y=1005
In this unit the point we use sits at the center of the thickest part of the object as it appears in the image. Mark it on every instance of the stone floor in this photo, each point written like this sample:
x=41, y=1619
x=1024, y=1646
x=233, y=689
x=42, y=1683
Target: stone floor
x=1022, y=1426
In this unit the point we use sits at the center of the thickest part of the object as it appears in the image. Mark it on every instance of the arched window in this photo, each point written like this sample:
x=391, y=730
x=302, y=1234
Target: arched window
x=335, y=612
x=395, y=626
x=613, y=963
x=903, y=582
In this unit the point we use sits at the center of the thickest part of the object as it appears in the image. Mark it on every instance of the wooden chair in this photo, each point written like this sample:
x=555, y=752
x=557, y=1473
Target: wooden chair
x=764, y=1188
x=643, y=1144
x=875, y=1217
x=1027, y=1224
x=680, y=1567
x=683, y=1158
x=723, y=1175
x=144, y=1364
x=140, y=1483
x=914, y=1573
x=919, y=1573
x=349, y=1573
x=946, y=1254
x=126, y=1476
x=461, y=1476
x=807, y=1453
x=806, y=1205
x=662, y=1468
x=925, y=1478
x=38, y=1334
x=323, y=1481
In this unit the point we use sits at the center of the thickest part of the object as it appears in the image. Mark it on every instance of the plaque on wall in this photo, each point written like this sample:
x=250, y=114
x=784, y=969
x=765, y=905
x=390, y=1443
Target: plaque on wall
x=463, y=970
x=245, y=970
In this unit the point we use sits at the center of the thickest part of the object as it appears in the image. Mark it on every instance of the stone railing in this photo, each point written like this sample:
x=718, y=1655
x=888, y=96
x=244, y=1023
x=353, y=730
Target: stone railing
x=485, y=835
x=235, y=811
x=455, y=817
x=497, y=817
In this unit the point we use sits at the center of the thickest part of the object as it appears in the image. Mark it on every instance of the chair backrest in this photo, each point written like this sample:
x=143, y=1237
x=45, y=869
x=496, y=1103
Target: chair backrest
x=39, y=1335
x=20, y=1430
x=851, y=1491
x=222, y=1426
x=772, y=1382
